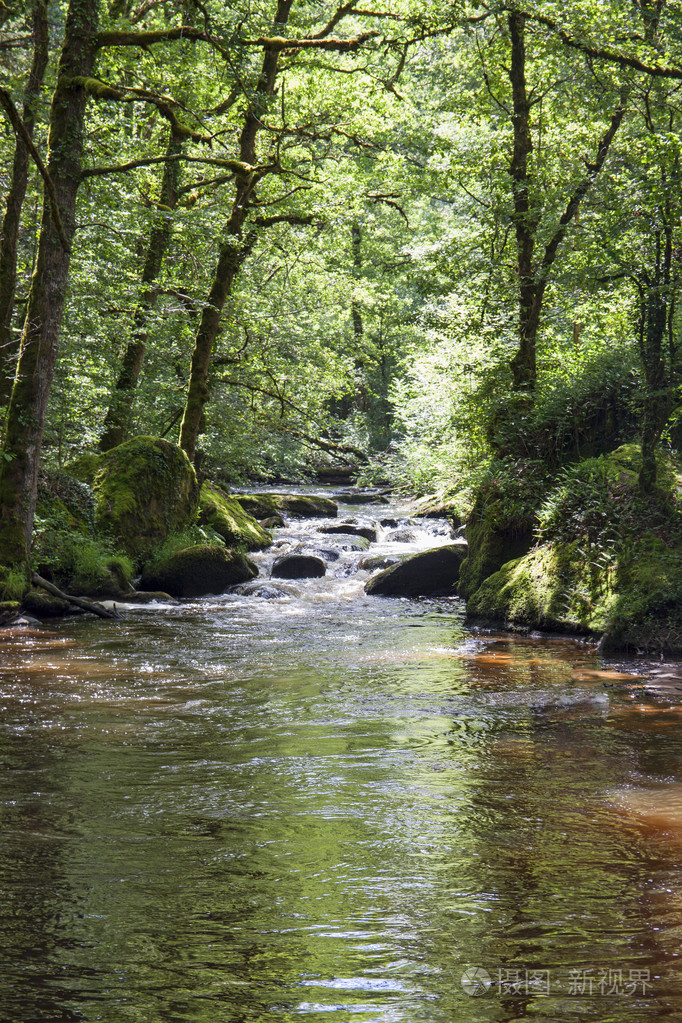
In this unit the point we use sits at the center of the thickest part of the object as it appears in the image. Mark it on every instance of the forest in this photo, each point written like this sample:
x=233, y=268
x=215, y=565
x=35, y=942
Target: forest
x=434, y=246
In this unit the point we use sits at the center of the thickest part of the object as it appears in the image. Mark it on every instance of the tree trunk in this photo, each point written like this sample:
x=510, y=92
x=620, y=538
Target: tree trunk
x=358, y=326
x=9, y=346
x=117, y=421
x=233, y=249
x=523, y=365
x=657, y=386
x=534, y=274
x=28, y=403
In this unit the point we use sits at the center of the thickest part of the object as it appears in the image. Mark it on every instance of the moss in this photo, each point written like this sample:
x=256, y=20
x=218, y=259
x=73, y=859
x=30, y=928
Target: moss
x=260, y=506
x=229, y=519
x=550, y=587
x=502, y=521
x=13, y=583
x=196, y=571
x=9, y=611
x=144, y=489
x=608, y=561
x=84, y=468
x=42, y=605
x=312, y=506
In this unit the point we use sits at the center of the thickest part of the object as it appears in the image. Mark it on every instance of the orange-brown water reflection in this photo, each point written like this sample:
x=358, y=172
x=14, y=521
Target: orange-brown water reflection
x=272, y=821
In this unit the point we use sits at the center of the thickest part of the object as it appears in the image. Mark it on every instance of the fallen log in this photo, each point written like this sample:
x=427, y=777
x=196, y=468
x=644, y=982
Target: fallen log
x=86, y=605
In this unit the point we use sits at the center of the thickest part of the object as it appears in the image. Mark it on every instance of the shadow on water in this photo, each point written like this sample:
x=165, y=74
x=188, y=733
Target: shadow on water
x=325, y=806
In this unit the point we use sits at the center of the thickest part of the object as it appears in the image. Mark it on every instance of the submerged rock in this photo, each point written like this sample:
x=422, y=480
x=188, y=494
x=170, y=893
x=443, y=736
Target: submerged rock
x=230, y=520
x=144, y=490
x=435, y=571
x=401, y=536
x=275, y=521
x=198, y=571
x=298, y=566
x=150, y=597
x=361, y=497
x=264, y=590
x=347, y=542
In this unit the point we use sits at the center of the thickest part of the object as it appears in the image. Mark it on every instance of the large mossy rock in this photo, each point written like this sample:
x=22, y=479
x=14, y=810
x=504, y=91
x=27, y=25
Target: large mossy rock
x=608, y=561
x=435, y=571
x=502, y=522
x=259, y=506
x=144, y=490
x=307, y=506
x=198, y=571
x=229, y=519
x=454, y=509
x=552, y=588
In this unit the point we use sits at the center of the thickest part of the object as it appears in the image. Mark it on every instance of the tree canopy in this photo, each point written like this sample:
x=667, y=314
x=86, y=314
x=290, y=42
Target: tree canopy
x=414, y=237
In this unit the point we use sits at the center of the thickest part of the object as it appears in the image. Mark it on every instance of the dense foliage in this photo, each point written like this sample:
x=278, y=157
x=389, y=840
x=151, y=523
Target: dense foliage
x=415, y=239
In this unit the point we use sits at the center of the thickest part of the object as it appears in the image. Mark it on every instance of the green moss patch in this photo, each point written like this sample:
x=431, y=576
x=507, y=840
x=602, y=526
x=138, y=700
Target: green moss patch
x=228, y=517
x=198, y=571
x=144, y=490
x=503, y=519
x=607, y=560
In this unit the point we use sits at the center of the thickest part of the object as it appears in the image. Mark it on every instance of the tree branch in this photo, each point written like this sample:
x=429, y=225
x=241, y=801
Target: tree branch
x=582, y=189
x=278, y=43
x=22, y=133
x=236, y=167
x=603, y=53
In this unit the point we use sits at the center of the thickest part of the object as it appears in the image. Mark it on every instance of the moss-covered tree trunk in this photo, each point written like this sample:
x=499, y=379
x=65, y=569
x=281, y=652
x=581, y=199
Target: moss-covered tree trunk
x=9, y=345
x=234, y=248
x=117, y=420
x=28, y=403
x=654, y=325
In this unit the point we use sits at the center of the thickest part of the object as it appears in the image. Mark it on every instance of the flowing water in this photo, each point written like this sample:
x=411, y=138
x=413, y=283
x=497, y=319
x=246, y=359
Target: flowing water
x=301, y=803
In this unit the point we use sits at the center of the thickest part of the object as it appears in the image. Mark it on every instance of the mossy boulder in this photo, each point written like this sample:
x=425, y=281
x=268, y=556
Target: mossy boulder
x=42, y=605
x=607, y=560
x=230, y=520
x=551, y=587
x=144, y=490
x=430, y=572
x=10, y=610
x=84, y=468
x=198, y=571
x=259, y=506
x=503, y=519
x=454, y=509
x=307, y=506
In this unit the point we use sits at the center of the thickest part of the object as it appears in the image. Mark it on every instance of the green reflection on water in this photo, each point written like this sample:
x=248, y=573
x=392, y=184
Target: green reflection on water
x=197, y=828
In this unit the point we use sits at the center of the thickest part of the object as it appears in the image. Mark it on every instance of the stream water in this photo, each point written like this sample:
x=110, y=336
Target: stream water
x=307, y=804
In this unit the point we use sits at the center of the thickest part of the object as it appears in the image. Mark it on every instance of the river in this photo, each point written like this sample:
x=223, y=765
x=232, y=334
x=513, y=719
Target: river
x=326, y=807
